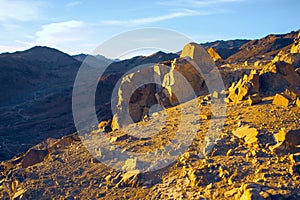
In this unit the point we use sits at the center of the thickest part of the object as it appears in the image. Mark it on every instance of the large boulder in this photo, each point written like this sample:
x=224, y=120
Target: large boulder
x=178, y=81
x=195, y=53
x=276, y=77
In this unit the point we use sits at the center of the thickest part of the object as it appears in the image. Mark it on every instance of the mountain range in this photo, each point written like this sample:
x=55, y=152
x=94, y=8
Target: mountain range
x=36, y=86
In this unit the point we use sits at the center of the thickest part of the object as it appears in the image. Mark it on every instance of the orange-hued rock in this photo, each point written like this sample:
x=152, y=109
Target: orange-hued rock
x=281, y=100
x=214, y=55
x=296, y=45
x=298, y=103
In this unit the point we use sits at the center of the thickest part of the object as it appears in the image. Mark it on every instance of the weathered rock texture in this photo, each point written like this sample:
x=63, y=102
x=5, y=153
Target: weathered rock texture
x=168, y=85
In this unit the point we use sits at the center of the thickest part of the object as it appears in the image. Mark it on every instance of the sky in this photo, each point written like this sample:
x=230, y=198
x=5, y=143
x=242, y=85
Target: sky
x=79, y=26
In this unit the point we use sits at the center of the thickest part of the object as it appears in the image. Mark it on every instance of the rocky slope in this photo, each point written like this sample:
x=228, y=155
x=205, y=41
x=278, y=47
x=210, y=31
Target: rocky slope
x=253, y=154
x=235, y=168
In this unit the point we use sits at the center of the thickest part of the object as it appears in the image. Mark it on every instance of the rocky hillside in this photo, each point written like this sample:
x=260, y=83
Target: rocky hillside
x=264, y=47
x=254, y=153
x=225, y=48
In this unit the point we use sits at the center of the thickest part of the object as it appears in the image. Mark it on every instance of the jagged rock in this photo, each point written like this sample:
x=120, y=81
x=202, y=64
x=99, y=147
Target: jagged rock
x=248, y=134
x=104, y=125
x=281, y=100
x=286, y=140
x=247, y=86
x=182, y=74
x=298, y=103
x=296, y=45
x=292, y=93
x=280, y=136
x=254, y=99
x=214, y=55
x=276, y=77
x=199, y=55
x=290, y=58
x=205, y=116
x=249, y=192
x=33, y=157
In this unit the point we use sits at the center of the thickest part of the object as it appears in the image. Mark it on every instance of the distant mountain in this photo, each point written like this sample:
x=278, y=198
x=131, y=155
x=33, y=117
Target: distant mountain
x=36, y=93
x=266, y=46
x=35, y=69
x=225, y=48
x=93, y=60
x=125, y=65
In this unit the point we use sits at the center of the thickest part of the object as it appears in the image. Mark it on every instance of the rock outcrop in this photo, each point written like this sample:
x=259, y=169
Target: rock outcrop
x=246, y=86
x=276, y=77
x=296, y=46
x=168, y=85
x=214, y=55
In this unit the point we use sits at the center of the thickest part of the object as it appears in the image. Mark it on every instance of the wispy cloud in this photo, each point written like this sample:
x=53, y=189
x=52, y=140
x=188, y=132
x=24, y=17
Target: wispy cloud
x=58, y=33
x=149, y=20
x=19, y=10
x=73, y=4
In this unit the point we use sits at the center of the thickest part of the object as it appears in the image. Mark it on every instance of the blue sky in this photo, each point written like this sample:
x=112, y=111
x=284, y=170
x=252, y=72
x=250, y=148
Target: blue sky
x=76, y=26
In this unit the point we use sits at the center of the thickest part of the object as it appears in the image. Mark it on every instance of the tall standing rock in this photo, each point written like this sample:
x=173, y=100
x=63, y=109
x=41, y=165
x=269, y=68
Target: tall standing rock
x=199, y=55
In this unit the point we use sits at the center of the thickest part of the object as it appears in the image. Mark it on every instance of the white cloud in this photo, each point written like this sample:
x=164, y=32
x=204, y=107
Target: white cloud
x=55, y=34
x=19, y=10
x=73, y=4
x=148, y=20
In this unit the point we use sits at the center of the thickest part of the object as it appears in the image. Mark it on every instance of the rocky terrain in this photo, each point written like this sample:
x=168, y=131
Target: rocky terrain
x=253, y=154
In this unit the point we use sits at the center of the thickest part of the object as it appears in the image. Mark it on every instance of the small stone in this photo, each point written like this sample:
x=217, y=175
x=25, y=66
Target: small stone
x=119, y=138
x=254, y=99
x=280, y=136
x=229, y=152
x=281, y=100
x=205, y=116
x=215, y=94
x=226, y=100
x=264, y=195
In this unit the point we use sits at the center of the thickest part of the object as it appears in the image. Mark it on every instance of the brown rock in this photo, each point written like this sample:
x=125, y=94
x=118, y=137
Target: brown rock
x=254, y=99
x=33, y=157
x=276, y=77
x=281, y=100
x=291, y=93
